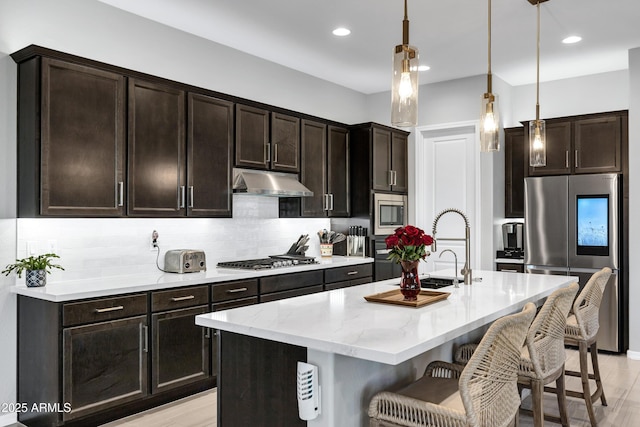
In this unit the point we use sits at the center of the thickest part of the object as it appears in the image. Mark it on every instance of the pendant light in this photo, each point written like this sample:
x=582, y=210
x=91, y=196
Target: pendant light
x=404, y=84
x=490, y=118
x=537, y=128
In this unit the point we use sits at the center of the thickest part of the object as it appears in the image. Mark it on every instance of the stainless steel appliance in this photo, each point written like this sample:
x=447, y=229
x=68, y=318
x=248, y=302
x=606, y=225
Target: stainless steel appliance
x=274, y=261
x=390, y=212
x=513, y=236
x=572, y=227
x=184, y=261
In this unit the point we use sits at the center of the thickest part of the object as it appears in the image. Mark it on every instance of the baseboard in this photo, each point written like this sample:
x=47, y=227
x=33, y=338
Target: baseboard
x=9, y=419
x=634, y=355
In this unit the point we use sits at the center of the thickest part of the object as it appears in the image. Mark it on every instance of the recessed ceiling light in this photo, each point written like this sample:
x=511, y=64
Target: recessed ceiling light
x=341, y=32
x=572, y=39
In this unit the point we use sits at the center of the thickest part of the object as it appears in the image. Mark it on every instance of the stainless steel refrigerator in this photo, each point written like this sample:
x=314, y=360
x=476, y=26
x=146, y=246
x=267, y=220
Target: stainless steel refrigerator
x=572, y=227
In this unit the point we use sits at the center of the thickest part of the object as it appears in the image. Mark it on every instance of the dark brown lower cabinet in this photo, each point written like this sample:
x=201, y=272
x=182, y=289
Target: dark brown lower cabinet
x=105, y=365
x=181, y=350
x=509, y=267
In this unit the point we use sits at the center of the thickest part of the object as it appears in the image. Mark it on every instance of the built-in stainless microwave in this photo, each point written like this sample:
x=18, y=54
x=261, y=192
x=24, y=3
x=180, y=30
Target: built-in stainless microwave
x=390, y=212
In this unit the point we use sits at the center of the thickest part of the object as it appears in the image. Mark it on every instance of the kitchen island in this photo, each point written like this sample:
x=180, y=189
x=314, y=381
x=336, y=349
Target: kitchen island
x=359, y=347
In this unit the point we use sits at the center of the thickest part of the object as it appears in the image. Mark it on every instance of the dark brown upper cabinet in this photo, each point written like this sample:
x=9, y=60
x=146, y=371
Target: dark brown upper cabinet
x=71, y=140
x=252, y=137
x=389, y=160
x=325, y=169
x=314, y=166
x=583, y=144
x=514, y=167
x=285, y=143
x=209, y=156
x=267, y=140
x=157, y=150
x=338, y=172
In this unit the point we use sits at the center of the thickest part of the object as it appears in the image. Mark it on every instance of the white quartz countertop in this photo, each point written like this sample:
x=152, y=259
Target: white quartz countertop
x=93, y=287
x=343, y=322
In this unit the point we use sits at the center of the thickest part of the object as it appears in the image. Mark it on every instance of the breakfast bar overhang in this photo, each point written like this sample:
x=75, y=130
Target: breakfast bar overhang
x=359, y=347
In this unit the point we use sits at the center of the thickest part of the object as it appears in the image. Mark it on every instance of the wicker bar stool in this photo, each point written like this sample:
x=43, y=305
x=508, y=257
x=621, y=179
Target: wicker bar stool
x=581, y=331
x=543, y=356
x=483, y=393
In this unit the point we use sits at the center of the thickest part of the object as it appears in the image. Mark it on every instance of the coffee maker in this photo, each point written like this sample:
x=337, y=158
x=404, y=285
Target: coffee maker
x=513, y=240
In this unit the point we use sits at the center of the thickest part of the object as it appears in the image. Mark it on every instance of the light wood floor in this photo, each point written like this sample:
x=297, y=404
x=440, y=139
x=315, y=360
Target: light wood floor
x=621, y=378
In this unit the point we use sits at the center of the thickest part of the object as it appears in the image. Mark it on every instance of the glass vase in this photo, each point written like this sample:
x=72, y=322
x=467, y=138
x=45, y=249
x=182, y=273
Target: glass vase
x=409, y=281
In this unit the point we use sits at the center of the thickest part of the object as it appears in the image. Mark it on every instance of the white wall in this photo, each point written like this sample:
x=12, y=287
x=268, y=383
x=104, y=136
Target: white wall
x=634, y=202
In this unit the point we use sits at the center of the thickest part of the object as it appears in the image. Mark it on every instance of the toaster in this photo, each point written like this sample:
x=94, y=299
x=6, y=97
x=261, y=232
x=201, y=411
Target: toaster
x=184, y=261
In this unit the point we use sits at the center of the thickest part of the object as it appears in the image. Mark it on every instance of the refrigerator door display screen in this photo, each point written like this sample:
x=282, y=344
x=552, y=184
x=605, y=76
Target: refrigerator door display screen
x=592, y=222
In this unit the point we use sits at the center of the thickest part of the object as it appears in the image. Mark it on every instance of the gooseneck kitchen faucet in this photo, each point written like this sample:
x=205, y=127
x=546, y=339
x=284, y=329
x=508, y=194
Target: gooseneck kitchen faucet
x=466, y=270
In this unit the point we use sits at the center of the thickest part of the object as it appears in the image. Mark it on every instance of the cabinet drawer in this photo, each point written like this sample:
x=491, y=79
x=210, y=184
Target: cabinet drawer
x=509, y=267
x=285, y=282
x=234, y=290
x=347, y=273
x=179, y=298
x=235, y=303
x=291, y=293
x=103, y=309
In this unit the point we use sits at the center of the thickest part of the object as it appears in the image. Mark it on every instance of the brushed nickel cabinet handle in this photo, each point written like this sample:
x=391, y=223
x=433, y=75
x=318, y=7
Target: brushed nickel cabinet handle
x=120, y=193
x=144, y=330
x=351, y=273
x=207, y=332
x=275, y=153
x=576, y=159
x=330, y=201
x=390, y=177
x=108, y=309
x=191, y=196
x=184, y=298
x=235, y=291
x=267, y=149
x=182, y=196
x=566, y=159
x=325, y=202
x=508, y=270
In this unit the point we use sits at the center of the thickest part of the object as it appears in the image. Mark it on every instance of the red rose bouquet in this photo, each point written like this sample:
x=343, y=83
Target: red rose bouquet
x=408, y=244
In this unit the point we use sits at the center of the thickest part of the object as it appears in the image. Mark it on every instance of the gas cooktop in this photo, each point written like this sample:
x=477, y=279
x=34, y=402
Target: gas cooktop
x=274, y=261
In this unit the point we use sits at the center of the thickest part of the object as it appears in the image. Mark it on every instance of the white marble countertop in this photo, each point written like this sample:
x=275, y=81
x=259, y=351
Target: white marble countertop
x=93, y=287
x=342, y=322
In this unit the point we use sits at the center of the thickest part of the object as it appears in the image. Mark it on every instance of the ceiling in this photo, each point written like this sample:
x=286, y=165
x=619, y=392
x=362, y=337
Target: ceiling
x=451, y=35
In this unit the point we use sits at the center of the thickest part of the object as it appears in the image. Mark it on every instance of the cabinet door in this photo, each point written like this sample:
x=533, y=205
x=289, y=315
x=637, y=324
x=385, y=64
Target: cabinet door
x=156, y=150
x=104, y=365
x=82, y=142
x=209, y=151
x=559, y=155
x=399, y=167
x=252, y=137
x=381, y=159
x=285, y=143
x=510, y=268
x=597, y=145
x=514, y=168
x=314, y=166
x=181, y=353
x=338, y=171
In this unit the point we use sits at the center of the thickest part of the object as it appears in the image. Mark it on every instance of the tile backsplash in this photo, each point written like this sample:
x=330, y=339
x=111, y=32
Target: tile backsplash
x=118, y=246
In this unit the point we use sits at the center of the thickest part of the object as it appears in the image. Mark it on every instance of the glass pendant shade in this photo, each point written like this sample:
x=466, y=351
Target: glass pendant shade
x=490, y=124
x=537, y=143
x=404, y=86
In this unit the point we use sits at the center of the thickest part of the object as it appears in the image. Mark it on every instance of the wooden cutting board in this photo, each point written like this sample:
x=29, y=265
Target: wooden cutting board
x=395, y=297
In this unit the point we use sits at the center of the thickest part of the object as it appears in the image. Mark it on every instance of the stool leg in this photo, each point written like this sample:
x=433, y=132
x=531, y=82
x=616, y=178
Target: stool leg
x=596, y=373
x=584, y=375
x=562, y=400
x=536, y=396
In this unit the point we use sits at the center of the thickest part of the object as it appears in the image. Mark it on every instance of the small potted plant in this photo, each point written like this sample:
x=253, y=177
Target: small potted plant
x=37, y=268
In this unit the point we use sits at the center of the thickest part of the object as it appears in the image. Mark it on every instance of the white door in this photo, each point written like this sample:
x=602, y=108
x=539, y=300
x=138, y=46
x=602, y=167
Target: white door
x=447, y=176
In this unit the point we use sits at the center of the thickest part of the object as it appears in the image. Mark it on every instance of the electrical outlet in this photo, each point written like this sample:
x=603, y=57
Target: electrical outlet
x=153, y=243
x=52, y=246
x=32, y=248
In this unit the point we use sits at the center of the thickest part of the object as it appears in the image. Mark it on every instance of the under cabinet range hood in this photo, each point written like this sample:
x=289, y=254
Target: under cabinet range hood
x=276, y=184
